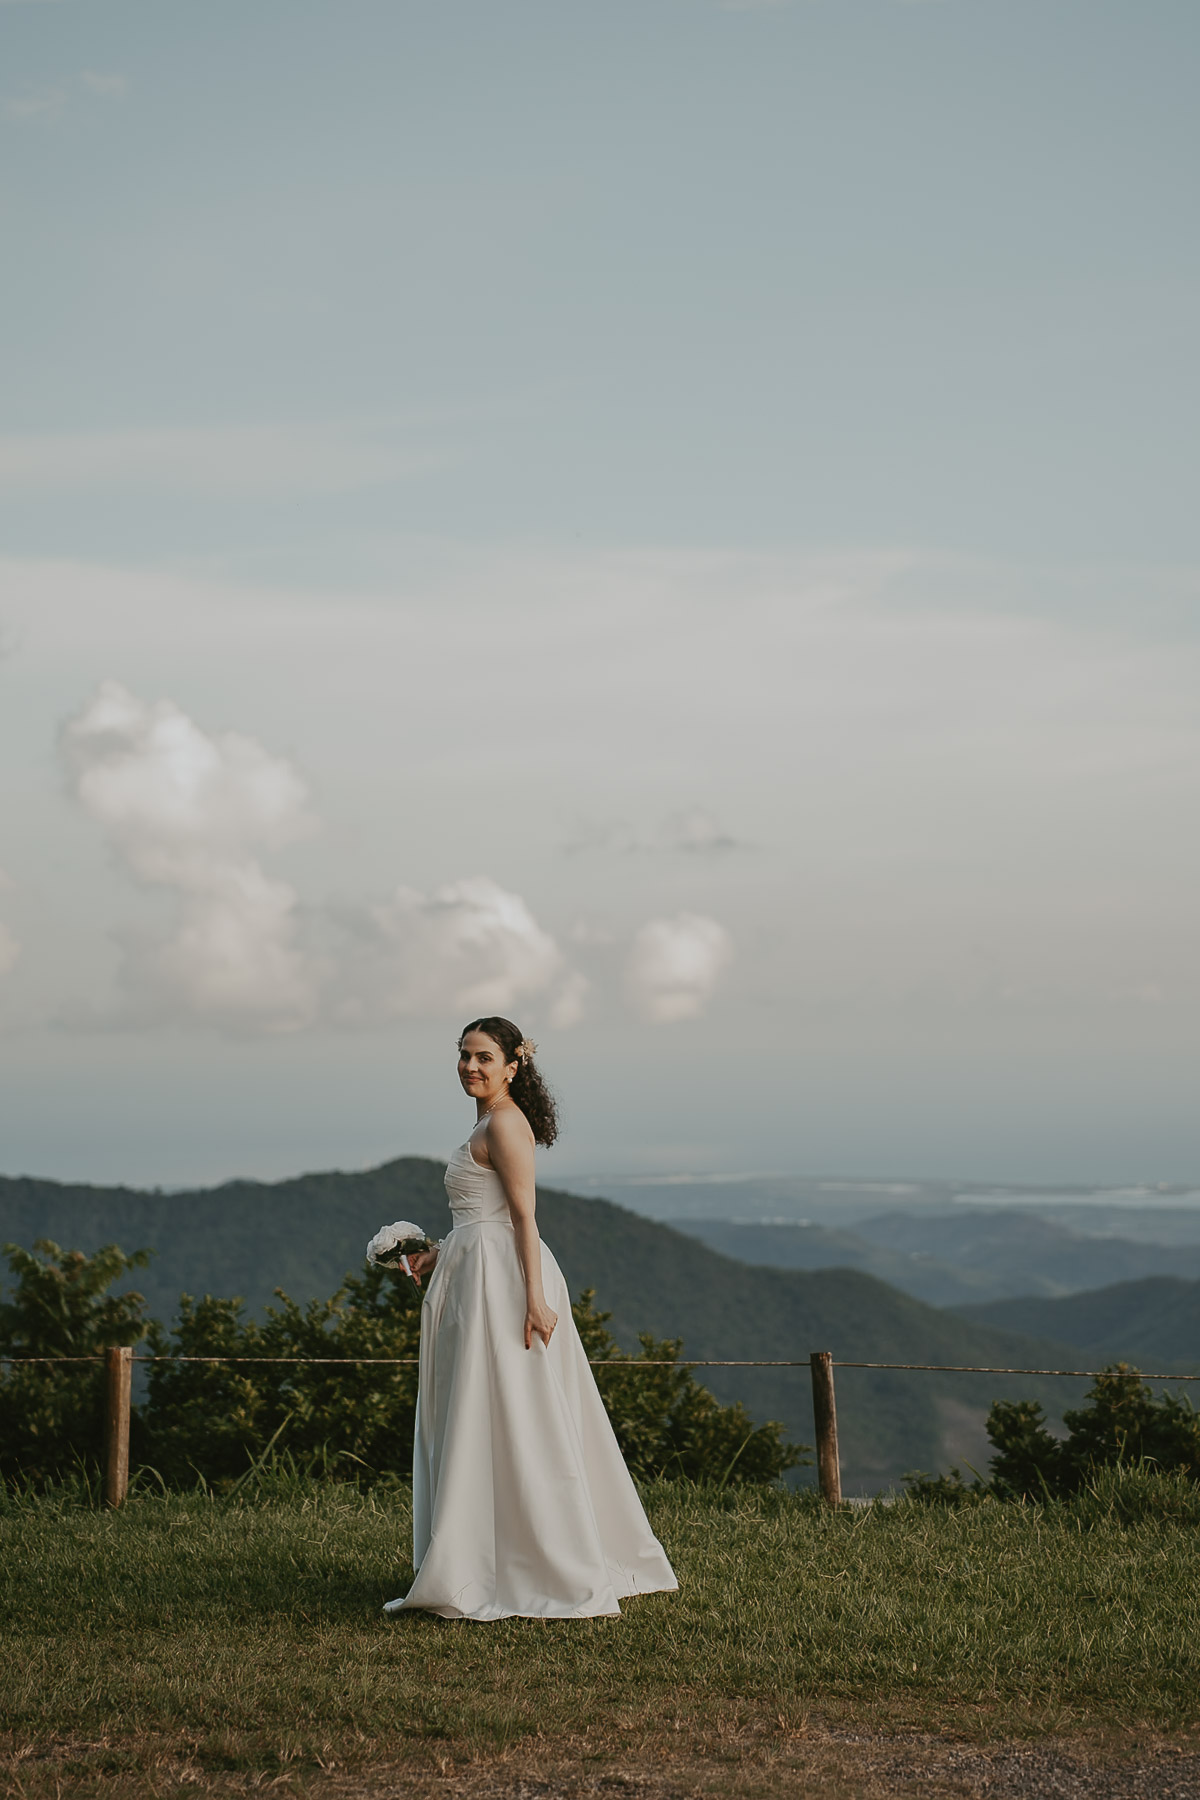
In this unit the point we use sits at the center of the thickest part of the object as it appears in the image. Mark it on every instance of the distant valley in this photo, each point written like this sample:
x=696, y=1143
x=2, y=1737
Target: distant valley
x=954, y=1258
x=1158, y=1215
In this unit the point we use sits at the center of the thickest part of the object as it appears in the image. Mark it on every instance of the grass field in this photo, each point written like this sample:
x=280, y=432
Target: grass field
x=189, y=1645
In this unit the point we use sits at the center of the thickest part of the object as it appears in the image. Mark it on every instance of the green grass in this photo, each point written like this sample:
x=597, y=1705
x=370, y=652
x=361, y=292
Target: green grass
x=186, y=1635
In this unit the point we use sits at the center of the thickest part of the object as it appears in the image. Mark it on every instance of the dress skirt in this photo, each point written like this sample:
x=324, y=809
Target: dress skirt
x=522, y=1504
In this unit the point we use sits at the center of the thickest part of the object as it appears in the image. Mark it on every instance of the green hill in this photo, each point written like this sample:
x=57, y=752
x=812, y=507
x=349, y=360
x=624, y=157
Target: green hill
x=1150, y=1322
x=249, y=1237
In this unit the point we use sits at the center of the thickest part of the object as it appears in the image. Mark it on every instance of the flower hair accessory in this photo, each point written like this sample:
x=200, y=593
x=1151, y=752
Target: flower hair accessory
x=525, y=1049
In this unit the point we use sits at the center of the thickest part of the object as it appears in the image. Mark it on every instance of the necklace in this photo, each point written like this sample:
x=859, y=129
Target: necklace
x=488, y=1109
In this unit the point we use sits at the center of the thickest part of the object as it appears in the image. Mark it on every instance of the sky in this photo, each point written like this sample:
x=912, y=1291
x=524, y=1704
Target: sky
x=673, y=521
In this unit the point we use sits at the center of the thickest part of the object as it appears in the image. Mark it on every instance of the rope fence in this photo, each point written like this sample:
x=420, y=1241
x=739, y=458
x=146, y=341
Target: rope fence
x=118, y=1361
x=605, y=1361
x=618, y=1362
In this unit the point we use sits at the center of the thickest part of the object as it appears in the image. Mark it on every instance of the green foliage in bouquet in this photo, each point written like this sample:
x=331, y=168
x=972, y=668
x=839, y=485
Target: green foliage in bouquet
x=1123, y=1425
x=668, y=1425
x=51, y=1414
x=216, y=1421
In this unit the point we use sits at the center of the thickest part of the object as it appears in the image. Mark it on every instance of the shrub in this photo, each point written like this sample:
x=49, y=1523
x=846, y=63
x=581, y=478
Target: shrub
x=1029, y=1463
x=344, y=1412
x=1124, y=1422
x=51, y=1415
x=215, y=1420
x=944, y=1490
x=1122, y=1429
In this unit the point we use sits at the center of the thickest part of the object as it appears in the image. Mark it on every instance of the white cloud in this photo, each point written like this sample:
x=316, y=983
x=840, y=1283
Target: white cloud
x=193, y=813
x=695, y=831
x=106, y=87
x=674, y=966
x=903, y=742
x=47, y=102
x=33, y=104
x=250, y=459
x=190, y=813
x=471, y=947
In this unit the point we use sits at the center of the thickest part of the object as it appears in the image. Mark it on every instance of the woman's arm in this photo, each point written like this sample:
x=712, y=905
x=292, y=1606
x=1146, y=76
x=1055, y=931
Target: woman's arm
x=510, y=1152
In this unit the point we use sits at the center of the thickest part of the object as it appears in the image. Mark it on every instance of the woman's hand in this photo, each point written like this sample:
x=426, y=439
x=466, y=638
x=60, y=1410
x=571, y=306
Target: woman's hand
x=540, y=1322
x=422, y=1263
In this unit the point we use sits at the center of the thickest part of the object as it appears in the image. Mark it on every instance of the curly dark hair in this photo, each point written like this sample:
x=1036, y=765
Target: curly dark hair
x=527, y=1087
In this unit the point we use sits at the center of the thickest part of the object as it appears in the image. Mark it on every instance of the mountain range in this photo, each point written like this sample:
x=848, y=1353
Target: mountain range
x=249, y=1237
x=954, y=1258
x=1154, y=1322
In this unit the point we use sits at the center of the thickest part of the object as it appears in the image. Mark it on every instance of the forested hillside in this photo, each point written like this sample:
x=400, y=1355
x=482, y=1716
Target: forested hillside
x=1147, y=1322
x=249, y=1237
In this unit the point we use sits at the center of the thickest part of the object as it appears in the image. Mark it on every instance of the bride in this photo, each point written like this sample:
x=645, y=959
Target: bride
x=522, y=1503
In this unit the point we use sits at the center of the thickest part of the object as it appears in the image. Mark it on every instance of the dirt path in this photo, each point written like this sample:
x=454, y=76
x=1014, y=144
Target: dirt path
x=834, y=1768
x=820, y=1764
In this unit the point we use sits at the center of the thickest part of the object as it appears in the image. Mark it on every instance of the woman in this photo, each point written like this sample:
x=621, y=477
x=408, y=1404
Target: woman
x=522, y=1503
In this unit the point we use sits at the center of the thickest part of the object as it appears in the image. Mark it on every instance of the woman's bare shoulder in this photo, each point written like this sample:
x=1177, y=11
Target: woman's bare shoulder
x=509, y=1129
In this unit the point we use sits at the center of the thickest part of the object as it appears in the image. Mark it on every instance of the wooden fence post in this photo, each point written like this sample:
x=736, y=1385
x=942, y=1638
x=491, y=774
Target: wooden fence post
x=118, y=1360
x=829, y=1472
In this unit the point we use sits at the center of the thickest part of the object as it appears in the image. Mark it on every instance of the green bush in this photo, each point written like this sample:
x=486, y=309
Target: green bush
x=1029, y=1462
x=51, y=1414
x=1124, y=1430
x=215, y=1420
x=945, y=1490
x=209, y=1420
x=1124, y=1422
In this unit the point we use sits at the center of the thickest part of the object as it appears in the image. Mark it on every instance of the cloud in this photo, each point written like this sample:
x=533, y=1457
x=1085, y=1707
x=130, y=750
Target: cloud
x=472, y=947
x=34, y=104
x=190, y=813
x=232, y=460
x=674, y=965
x=193, y=814
x=106, y=87
x=694, y=831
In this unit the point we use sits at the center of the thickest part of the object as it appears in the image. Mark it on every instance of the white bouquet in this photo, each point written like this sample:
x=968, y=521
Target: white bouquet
x=392, y=1245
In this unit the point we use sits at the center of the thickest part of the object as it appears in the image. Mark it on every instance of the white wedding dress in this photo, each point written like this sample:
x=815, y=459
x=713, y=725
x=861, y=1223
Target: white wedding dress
x=522, y=1503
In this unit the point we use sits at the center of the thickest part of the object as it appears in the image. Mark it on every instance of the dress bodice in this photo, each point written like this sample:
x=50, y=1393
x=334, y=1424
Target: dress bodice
x=475, y=1193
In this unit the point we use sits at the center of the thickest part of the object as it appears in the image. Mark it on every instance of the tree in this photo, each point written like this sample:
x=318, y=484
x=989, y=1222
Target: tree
x=52, y=1414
